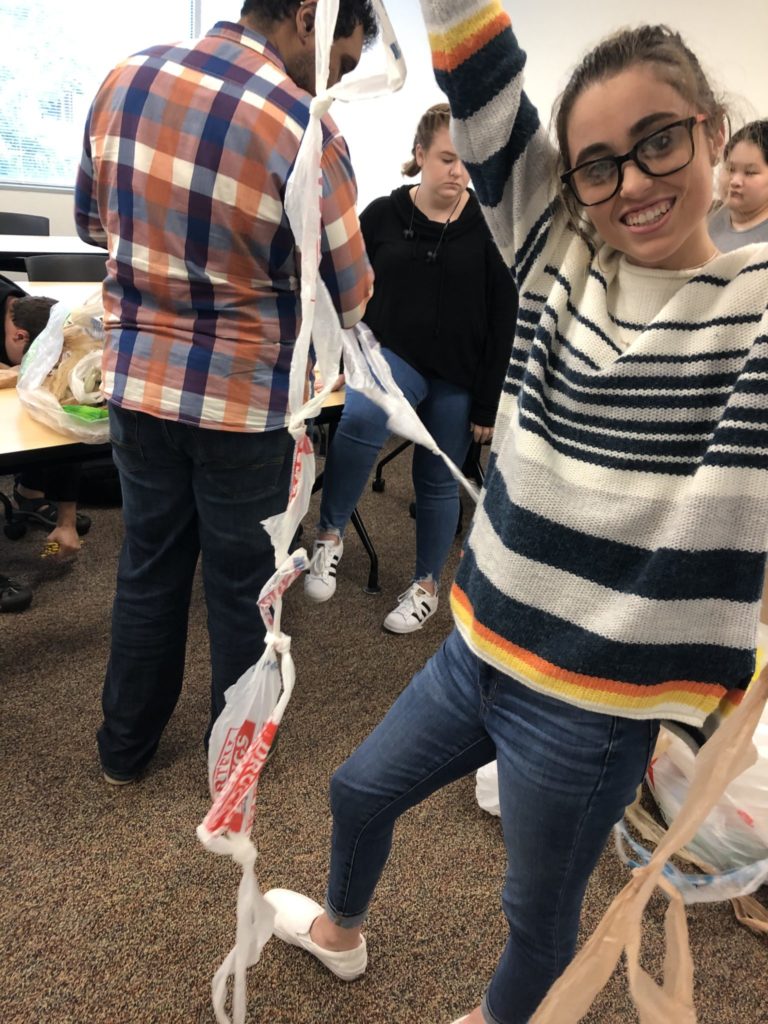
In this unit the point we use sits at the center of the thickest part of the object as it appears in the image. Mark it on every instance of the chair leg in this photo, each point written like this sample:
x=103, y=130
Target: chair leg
x=373, y=572
x=473, y=468
x=15, y=525
x=378, y=481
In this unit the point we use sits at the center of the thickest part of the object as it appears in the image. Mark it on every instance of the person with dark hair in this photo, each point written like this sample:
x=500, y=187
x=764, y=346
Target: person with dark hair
x=269, y=14
x=743, y=217
x=24, y=316
x=443, y=309
x=45, y=496
x=187, y=151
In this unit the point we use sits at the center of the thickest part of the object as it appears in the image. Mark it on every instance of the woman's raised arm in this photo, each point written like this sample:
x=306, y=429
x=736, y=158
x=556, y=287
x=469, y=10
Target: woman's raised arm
x=479, y=66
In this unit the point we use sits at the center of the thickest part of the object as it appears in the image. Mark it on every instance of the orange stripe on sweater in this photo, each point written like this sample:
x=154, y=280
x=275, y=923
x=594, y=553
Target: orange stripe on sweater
x=449, y=58
x=595, y=688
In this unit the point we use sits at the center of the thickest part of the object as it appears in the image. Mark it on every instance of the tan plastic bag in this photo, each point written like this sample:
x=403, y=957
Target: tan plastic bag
x=722, y=758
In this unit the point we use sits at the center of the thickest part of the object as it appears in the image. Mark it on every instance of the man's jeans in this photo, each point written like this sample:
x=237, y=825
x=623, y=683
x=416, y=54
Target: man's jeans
x=565, y=776
x=444, y=410
x=186, y=490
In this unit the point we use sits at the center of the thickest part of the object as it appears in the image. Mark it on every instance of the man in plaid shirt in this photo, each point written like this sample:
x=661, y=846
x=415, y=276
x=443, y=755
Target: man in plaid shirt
x=186, y=155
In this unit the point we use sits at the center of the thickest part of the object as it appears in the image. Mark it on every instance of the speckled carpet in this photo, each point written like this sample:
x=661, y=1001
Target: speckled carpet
x=113, y=913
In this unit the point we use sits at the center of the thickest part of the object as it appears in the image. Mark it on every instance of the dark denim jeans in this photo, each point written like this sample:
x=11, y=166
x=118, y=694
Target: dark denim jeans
x=565, y=776
x=186, y=490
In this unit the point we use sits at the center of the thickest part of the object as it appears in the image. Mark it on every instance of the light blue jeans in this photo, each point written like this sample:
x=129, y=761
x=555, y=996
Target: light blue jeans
x=444, y=410
x=565, y=776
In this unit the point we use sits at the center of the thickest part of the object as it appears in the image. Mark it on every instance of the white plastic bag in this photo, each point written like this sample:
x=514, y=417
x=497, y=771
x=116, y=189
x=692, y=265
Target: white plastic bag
x=81, y=380
x=487, y=788
x=43, y=355
x=735, y=833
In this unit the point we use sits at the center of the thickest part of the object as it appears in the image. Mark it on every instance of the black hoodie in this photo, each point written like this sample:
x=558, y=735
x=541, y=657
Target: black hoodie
x=451, y=317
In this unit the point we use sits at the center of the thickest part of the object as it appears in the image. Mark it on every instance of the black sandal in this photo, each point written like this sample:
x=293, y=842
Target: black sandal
x=42, y=512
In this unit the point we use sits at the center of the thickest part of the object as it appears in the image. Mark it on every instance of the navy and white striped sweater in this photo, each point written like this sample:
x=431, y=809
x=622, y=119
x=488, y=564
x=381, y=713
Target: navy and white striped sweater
x=617, y=558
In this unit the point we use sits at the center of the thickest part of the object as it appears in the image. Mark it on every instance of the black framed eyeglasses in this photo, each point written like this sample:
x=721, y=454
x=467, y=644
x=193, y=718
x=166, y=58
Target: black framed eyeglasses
x=665, y=151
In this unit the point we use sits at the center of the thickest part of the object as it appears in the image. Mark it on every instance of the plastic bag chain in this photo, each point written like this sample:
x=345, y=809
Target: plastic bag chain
x=242, y=735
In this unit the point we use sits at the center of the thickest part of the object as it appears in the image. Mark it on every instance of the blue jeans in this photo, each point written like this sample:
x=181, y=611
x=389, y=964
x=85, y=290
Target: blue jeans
x=185, y=490
x=444, y=410
x=565, y=776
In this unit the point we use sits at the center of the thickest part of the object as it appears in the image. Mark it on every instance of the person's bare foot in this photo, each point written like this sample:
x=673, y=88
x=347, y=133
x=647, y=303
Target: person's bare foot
x=328, y=935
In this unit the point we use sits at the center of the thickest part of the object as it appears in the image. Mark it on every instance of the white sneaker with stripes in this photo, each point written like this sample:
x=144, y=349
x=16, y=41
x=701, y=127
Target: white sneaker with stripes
x=320, y=581
x=414, y=607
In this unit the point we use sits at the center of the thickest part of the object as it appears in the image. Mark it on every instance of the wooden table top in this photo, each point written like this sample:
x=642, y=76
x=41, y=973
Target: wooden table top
x=75, y=292
x=44, y=245
x=20, y=433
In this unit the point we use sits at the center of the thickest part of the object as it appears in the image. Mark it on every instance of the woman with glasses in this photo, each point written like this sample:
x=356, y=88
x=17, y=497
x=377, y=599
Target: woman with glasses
x=743, y=217
x=613, y=573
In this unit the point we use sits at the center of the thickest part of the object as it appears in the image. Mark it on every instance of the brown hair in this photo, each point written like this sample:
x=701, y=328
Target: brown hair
x=432, y=120
x=657, y=45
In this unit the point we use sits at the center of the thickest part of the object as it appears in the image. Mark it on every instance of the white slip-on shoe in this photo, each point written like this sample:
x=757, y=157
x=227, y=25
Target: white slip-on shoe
x=294, y=915
x=320, y=581
x=413, y=609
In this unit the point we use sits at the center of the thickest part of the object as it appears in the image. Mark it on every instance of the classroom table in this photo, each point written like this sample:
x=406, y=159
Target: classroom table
x=13, y=248
x=74, y=292
x=25, y=441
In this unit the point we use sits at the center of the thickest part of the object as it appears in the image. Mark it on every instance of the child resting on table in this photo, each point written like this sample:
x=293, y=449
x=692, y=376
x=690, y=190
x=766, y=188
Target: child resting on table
x=47, y=495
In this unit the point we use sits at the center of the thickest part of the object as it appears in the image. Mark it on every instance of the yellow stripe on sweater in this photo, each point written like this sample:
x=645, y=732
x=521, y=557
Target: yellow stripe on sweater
x=452, y=47
x=575, y=687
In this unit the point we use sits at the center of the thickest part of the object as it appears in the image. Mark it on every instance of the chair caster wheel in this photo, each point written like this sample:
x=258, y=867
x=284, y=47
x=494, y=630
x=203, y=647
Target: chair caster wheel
x=14, y=531
x=378, y=485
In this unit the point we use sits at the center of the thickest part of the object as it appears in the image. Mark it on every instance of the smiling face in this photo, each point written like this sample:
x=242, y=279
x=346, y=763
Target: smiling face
x=443, y=176
x=744, y=184
x=655, y=222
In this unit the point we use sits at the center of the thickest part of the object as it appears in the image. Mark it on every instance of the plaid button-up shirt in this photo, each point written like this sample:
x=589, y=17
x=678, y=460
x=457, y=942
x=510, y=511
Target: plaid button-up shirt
x=186, y=154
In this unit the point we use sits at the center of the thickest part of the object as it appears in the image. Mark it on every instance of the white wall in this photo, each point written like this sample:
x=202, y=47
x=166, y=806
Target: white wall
x=732, y=48
x=555, y=36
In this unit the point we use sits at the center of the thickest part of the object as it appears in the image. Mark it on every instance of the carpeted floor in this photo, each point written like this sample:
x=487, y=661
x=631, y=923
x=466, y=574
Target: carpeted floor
x=112, y=912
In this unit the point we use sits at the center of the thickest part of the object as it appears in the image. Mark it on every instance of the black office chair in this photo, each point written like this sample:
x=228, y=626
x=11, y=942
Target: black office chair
x=24, y=224
x=66, y=267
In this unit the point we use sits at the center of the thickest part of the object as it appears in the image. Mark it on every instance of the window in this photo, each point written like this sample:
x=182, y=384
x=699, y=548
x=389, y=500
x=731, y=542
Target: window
x=54, y=57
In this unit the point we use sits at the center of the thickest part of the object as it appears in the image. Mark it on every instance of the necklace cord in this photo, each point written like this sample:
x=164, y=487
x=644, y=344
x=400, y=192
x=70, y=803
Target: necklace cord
x=409, y=234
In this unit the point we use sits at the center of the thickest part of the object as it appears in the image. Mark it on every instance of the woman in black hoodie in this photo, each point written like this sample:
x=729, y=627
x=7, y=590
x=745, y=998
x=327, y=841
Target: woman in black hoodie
x=443, y=309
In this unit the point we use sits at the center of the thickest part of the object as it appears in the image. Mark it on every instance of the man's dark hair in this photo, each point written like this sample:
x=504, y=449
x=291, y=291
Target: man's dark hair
x=351, y=13
x=30, y=313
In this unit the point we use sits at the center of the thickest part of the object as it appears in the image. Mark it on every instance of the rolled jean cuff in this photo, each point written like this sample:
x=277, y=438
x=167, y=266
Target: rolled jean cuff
x=341, y=921
x=488, y=1016
x=322, y=528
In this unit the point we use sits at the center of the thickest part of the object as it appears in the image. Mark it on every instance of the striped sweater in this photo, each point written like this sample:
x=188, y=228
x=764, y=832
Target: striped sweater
x=617, y=557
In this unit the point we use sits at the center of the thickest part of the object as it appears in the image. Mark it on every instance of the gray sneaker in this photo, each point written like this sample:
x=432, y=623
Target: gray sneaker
x=320, y=581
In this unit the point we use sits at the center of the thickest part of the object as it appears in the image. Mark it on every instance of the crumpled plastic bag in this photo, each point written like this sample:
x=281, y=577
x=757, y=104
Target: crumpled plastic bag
x=487, y=788
x=735, y=832
x=42, y=359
